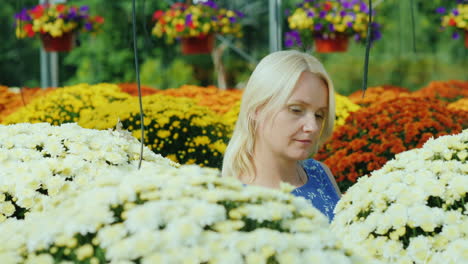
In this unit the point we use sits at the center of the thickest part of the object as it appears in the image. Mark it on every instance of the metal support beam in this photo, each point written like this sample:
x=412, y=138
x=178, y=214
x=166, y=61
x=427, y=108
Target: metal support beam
x=275, y=25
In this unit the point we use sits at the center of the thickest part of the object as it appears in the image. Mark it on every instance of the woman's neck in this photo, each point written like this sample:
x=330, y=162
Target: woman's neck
x=270, y=172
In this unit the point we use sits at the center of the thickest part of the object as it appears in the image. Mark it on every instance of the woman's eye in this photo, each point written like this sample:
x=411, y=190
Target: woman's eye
x=320, y=115
x=296, y=110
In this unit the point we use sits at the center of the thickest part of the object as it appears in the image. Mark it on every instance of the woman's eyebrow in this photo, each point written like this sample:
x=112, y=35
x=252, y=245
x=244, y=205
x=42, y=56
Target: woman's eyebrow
x=306, y=103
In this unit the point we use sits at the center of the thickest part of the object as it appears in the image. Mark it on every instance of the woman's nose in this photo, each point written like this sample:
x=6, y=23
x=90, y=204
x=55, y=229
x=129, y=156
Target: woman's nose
x=310, y=125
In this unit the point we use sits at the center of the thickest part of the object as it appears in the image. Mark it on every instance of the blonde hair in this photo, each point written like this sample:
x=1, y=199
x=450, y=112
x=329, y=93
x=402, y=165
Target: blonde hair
x=269, y=87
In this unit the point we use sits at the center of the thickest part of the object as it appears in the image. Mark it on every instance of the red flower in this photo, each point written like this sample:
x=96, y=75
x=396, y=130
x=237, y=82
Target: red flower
x=179, y=27
x=28, y=29
x=327, y=6
x=158, y=14
x=99, y=19
x=452, y=22
x=37, y=11
x=60, y=8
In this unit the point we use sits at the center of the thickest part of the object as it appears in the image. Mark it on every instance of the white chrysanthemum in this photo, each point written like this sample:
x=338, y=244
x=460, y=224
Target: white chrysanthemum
x=412, y=209
x=39, y=161
x=93, y=204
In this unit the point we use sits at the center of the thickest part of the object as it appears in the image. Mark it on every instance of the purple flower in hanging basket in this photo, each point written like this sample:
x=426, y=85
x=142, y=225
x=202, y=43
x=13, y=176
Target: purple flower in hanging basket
x=455, y=12
x=88, y=26
x=211, y=4
x=292, y=38
x=342, y=13
x=232, y=19
x=364, y=8
x=318, y=27
x=441, y=10
x=84, y=9
x=347, y=5
x=357, y=37
x=456, y=35
x=23, y=15
x=188, y=19
x=322, y=14
x=331, y=27
x=239, y=13
x=349, y=24
x=310, y=13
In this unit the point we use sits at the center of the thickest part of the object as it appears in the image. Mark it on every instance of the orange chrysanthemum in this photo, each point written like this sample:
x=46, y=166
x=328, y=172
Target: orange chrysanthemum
x=218, y=100
x=10, y=101
x=378, y=94
x=448, y=91
x=371, y=136
x=132, y=89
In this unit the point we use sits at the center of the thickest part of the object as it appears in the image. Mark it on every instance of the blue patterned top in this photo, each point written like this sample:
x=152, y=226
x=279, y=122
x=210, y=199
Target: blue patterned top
x=318, y=189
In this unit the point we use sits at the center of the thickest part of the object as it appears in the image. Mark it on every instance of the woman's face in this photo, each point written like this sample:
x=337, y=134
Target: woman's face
x=292, y=133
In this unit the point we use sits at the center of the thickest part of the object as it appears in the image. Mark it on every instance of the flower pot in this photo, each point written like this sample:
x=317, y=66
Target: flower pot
x=466, y=39
x=198, y=45
x=327, y=45
x=63, y=43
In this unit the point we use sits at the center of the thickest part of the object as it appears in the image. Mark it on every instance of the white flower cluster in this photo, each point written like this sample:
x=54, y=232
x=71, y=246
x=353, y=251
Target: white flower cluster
x=39, y=161
x=163, y=214
x=414, y=209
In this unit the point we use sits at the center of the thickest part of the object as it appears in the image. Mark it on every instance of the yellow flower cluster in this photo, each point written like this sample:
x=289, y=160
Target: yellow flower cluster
x=176, y=128
x=64, y=105
x=196, y=20
x=344, y=106
x=459, y=19
x=461, y=104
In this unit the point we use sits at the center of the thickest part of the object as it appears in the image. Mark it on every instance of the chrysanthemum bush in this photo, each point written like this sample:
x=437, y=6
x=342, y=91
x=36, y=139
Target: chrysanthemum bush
x=373, y=135
x=13, y=98
x=38, y=161
x=216, y=99
x=447, y=91
x=461, y=104
x=378, y=94
x=344, y=107
x=64, y=105
x=412, y=210
x=162, y=214
x=132, y=89
x=176, y=128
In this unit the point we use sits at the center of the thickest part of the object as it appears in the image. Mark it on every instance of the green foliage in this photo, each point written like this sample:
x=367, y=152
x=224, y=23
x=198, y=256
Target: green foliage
x=176, y=74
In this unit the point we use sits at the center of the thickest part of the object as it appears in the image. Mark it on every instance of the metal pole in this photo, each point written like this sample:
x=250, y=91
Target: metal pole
x=45, y=81
x=275, y=25
x=54, y=69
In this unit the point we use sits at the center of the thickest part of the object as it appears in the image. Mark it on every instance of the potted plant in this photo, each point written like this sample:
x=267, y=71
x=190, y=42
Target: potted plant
x=329, y=24
x=56, y=24
x=456, y=19
x=196, y=24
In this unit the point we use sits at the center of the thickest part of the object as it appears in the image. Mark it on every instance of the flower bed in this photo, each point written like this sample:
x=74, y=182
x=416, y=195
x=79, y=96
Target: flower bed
x=448, y=91
x=177, y=128
x=64, y=105
x=158, y=214
x=40, y=161
x=461, y=104
x=412, y=210
x=218, y=100
x=132, y=89
x=373, y=135
x=378, y=94
x=10, y=100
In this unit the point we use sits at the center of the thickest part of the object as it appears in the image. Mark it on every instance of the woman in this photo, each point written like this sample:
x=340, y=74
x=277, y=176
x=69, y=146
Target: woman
x=287, y=111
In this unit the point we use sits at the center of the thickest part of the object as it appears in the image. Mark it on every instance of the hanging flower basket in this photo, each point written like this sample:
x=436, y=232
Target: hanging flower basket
x=198, y=45
x=63, y=43
x=327, y=45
